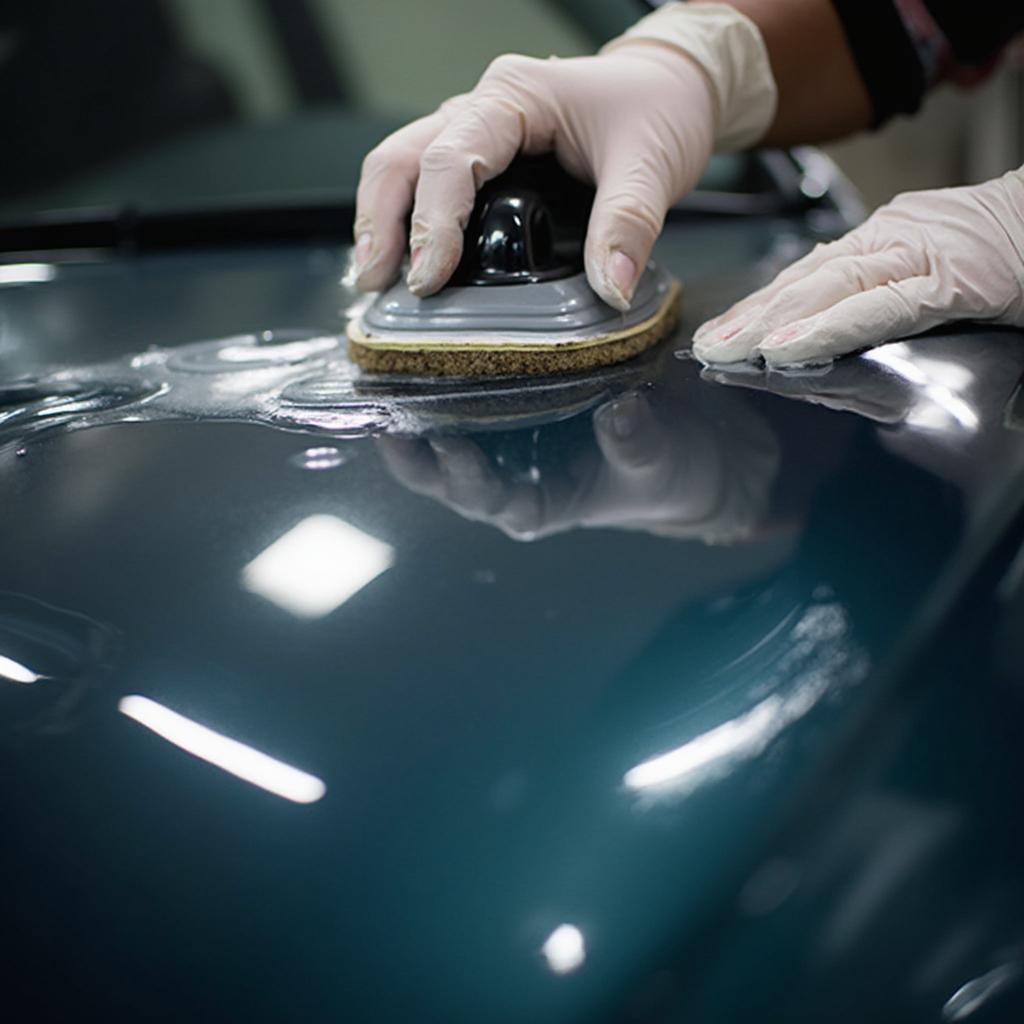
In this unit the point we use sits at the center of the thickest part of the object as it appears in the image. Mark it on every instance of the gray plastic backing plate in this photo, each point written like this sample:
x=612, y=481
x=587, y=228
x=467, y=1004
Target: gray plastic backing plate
x=547, y=312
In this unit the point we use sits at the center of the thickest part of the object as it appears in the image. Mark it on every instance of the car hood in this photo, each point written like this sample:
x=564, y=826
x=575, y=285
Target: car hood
x=371, y=700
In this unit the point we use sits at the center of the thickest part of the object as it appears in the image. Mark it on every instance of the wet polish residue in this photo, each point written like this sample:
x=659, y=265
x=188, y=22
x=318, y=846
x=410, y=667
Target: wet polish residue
x=290, y=379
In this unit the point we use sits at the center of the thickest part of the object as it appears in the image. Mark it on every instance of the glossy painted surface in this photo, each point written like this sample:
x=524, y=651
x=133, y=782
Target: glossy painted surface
x=606, y=699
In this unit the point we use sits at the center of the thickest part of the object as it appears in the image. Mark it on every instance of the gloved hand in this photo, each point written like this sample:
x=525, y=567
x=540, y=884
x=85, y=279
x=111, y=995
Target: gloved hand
x=639, y=120
x=925, y=258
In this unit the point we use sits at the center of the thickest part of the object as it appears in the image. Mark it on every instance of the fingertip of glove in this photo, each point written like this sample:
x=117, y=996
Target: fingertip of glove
x=727, y=343
x=621, y=273
x=706, y=328
x=799, y=344
x=369, y=269
x=370, y=278
x=432, y=262
x=363, y=249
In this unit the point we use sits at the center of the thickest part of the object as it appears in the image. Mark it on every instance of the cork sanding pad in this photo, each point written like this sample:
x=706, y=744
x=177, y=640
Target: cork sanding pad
x=522, y=329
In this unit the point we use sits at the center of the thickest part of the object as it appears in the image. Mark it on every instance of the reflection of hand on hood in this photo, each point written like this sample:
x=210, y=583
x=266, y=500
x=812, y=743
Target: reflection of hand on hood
x=648, y=465
x=939, y=403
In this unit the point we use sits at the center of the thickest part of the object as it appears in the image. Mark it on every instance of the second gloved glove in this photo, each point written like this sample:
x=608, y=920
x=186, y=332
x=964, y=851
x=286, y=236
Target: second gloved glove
x=924, y=259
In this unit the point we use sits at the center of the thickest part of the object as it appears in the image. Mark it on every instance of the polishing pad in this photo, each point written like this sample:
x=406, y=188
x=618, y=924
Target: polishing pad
x=549, y=327
x=519, y=302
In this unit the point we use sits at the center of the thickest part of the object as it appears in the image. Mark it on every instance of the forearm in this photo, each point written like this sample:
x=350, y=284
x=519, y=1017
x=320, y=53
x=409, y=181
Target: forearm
x=844, y=65
x=821, y=94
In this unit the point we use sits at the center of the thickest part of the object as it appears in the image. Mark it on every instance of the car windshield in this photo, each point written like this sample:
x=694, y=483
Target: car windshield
x=171, y=103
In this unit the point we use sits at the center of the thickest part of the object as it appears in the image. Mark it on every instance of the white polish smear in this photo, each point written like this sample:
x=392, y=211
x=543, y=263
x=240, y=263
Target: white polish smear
x=288, y=379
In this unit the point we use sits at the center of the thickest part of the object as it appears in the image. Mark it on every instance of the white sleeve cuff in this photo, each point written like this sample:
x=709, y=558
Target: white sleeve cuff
x=729, y=48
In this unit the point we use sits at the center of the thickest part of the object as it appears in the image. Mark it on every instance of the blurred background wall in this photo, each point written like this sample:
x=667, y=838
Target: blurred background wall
x=114, y=79
x=959, y=137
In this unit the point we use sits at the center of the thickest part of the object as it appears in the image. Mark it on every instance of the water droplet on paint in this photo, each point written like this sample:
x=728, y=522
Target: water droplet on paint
x=357, y=420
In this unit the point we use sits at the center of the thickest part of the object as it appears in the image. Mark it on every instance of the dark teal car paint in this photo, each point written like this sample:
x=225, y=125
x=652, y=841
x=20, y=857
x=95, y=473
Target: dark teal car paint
x=811, y=609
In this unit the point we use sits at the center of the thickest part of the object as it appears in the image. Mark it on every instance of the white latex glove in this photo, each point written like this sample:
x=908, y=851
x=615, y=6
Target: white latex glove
x=924, y=259
x=639, y=120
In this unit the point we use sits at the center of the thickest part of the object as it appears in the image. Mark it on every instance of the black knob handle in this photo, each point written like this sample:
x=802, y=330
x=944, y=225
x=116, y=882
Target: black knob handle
x=527, y=226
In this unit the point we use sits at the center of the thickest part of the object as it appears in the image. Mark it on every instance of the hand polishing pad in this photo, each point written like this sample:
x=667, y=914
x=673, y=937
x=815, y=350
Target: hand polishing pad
x=519, y=302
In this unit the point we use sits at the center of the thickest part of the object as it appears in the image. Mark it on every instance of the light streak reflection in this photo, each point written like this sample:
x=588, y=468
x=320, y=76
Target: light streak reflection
x=230, y=755
x=14, y=672
x=746, y=736
x=26, y=273
x=938, y=381
x=817, y=655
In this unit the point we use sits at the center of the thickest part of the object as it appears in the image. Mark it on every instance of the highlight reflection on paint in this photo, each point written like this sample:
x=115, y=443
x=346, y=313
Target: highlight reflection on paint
x=227, y=754
x=977, y=992
x=27, y=273
x=747, y=734
x=565, y=949
x=317, y=566
x=815, y=655
x=939, y=382
x=14, y=672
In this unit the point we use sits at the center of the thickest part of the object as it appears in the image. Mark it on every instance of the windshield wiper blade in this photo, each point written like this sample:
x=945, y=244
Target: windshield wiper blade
x=132, y=229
